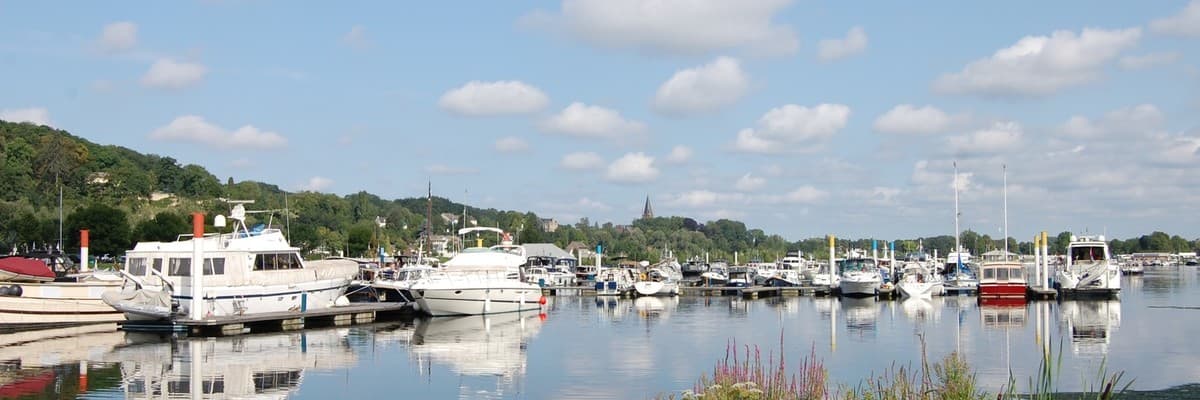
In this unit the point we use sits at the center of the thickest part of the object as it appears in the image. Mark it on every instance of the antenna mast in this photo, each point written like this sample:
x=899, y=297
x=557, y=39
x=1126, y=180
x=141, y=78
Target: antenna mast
x=1005, y=167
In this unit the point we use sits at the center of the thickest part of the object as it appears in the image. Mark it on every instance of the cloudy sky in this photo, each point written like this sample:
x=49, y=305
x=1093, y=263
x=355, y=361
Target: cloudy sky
x=799, y=117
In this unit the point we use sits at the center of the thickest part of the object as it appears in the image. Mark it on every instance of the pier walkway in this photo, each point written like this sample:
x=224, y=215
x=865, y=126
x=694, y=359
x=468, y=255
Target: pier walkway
x=355, y=313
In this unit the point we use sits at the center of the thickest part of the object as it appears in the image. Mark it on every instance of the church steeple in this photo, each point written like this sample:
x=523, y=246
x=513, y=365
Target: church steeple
x=647, y=212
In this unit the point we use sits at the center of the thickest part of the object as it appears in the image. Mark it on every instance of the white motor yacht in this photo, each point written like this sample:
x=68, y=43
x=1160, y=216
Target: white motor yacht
x=661, y=279
x=476, y=281
x=919, y=281
x=246, y=271
x=860, y=277
x=1087, y=271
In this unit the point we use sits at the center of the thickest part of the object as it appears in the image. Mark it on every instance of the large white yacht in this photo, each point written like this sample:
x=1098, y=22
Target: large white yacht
x=246, y=271
x=476, y=281
x=1088, y=271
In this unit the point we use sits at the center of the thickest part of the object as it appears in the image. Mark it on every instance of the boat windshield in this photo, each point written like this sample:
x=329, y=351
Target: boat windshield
x=859, y=264
x=1087, y=253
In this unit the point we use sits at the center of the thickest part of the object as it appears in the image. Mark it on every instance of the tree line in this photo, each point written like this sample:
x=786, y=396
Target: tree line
x=124, y=197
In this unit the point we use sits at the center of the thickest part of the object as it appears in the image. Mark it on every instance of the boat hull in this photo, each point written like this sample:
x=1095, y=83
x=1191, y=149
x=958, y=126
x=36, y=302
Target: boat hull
x=920, y=290
x=48, y=305
x=1002, y=290
x=651, y=288
x=856, y=288
x=441, y=302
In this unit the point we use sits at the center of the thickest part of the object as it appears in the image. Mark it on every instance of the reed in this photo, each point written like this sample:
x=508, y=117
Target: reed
x=744, y=374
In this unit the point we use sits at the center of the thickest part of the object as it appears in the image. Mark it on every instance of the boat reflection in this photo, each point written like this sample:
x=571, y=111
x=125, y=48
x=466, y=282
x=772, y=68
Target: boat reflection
x=267, y=366
x=1003, y=316
x=1091, y=324
x=481, y=345
x=920, y=309
x=655, y=307
x=53, y=363
x=861, y=315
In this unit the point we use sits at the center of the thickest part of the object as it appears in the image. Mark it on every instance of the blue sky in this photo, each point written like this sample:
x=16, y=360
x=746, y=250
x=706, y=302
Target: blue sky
x=802, y=118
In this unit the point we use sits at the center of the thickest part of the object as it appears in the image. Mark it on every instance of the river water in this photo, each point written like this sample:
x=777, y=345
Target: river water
x=604, y=348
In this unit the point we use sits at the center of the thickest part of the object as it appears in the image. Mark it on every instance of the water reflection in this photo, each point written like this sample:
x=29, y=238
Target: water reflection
x=919, y=309
x=861, y=315
x=253, y=366
x=1091, y=324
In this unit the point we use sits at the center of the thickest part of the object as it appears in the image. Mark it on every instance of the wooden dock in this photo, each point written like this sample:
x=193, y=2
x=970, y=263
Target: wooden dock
x=355, y=313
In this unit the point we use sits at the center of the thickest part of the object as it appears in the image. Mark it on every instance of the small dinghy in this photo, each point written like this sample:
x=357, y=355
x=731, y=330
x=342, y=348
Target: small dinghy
x=21, y=269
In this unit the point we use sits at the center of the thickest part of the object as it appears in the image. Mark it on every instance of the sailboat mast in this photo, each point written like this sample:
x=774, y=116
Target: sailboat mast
x=429, y=218
x=957, y=246
x=1005, y=167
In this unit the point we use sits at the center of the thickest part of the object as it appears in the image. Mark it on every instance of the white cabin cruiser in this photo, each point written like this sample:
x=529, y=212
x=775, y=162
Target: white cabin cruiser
x=860, y=277
x=1088, y=271
x=919, y=281
x=247, y=271
x=476, y=281
x=661, y=279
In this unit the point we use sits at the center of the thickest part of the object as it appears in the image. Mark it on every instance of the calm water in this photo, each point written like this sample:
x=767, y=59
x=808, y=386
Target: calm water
x=617, y=348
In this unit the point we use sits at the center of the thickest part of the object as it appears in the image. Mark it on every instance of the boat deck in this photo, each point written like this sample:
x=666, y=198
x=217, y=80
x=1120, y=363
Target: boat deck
x=355, y=313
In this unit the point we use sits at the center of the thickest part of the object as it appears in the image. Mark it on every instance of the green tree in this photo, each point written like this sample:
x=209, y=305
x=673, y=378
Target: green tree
x=165, y=226
x=108, y=228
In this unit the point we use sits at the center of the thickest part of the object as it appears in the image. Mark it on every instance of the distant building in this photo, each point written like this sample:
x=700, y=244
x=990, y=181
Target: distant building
x=647, y=212
x=548, y=224
x=98, y=178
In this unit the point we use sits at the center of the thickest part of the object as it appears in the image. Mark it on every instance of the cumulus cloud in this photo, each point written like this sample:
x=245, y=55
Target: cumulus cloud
x=170, y=74
x=493, y=98
x=194, y=129
x=1130, y=122
x=705, y=198
x=908, y=119
x=317, y=184
x=835, y=49
x=793, y=128
x=582, y=120
x=356, y=38
x=582, y=161
x=443, y=169
x=750, y=183
x=632, y=168
x=673, y=26
x=117, y=37
x=33, y=115
x=805, y=195
x=701, y=89
x=679, y=154
x=999, y=138
x=511, y=144
x=1148, y=60
x=1041, y=65
x=1186, y=23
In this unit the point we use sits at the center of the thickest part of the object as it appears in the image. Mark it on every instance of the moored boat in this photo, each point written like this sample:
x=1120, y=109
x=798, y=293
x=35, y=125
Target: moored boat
x=860, y=277
x=1087, y=271
x=476, y=281
x=245, y=272
x=918, y=281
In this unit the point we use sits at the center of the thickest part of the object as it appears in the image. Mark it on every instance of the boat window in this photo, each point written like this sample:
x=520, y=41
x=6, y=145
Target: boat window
x=1002, y=274
x=179, y=267
x=136, y=266
x=158, y=265
x=214, y=266
x=1090, y=253
x=989, y=273
x=274, y=261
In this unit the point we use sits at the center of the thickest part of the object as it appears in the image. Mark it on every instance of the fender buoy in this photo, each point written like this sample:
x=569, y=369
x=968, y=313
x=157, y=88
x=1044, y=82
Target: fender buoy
x=542, y=300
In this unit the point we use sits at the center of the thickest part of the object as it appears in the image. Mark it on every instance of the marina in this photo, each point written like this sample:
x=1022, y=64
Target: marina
x=653, y=344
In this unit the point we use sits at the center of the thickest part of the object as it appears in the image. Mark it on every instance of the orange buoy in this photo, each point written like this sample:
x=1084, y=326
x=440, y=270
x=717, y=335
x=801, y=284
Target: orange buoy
x=542, y=301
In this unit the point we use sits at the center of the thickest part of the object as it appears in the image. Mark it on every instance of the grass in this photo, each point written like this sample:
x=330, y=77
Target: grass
x=951, y=378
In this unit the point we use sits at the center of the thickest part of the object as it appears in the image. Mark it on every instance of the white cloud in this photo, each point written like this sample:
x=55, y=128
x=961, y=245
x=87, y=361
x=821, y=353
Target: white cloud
x=705, y=198
x=33, y=115
x=195, y=129
x=443, y=169
x=805, y=194
x=170, y=74
x=582, y=120
x=701, y=89
x=582, y=161
x=493, y=98
x=673, y=26
x=1186, y=23
x=1041, y=65
x=750, y=183
x=117, y=37
x=632, y=168
x=835, y=49
x=241, y=162
x=589, y=204
x=511, y=144
x=1148, y=60
x=908, y=119
x=317, y=184
x=356, y=38
x=679, y=154
x=1130, y=122
x=793, y=128
x=999, y=138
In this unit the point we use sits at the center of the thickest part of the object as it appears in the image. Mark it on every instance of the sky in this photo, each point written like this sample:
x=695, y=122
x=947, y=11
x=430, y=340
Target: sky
x=801, y=118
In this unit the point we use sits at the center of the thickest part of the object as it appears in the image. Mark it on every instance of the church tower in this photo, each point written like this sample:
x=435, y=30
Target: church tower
x=647, y=212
